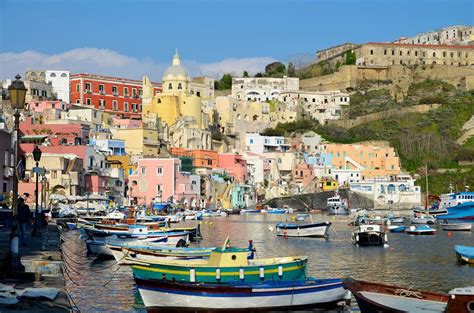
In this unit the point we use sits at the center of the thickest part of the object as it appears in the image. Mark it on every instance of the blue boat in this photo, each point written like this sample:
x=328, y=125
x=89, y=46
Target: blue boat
x=397, y=229
x=277, y=211
x=460, y=206
x=465, y=254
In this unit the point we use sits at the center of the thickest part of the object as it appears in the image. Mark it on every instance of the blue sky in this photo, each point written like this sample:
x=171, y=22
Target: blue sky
x=139, y=37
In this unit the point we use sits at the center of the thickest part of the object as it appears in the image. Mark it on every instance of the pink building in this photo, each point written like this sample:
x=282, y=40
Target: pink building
x=303, y=177
x=235, y=165
x=58, y=134
x=126, y=123
x=41, y=106
x=161, y=180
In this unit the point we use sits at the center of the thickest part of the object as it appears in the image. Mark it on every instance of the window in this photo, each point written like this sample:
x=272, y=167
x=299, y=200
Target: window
x=444, y=54
x=393, y=52
x=416, y=53
x=52, y=75
x=251, y=141
x=180, y=86
x=101, y=88
x=63, y=75
x=434, y=54
x=143, y=170
x=78, y=87
x=385, y=52
x=371, y=51
x=158, y=189
x=88, y=87
x=114, y=90
x=159, y=171
x=114, y=105
x=101, y=103
x=88, y=101
x=134, y=92
x=125, y=106
x=134, y=107
x=125, y=91
x=170, y=86
x=209, y=162
x=400, y=52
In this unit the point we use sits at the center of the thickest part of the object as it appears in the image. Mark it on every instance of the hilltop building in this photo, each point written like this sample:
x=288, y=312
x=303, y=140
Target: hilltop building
x=262, y=88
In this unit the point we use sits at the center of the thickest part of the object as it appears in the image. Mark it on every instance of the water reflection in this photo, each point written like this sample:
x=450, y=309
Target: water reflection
x=426, y=262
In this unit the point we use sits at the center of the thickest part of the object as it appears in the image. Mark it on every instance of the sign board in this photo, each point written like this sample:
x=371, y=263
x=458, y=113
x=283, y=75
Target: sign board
x=37, y=170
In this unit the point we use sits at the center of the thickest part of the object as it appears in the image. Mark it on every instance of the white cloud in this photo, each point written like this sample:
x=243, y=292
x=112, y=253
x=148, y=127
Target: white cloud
x=109, y=62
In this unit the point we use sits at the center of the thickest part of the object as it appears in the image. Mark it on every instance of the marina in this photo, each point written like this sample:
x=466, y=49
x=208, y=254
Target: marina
x=332, y=257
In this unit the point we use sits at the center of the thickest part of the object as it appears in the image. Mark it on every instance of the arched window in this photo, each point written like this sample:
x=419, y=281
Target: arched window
x=52, y=75
x=159, y=100
x=170, y=86
x=63, y=75
x=179, y=86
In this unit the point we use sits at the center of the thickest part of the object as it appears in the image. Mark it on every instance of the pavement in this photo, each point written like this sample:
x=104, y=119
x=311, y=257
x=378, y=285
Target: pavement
x=43, y=268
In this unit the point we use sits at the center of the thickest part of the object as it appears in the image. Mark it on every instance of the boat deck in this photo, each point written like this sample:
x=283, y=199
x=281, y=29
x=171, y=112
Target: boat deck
x=412, y=305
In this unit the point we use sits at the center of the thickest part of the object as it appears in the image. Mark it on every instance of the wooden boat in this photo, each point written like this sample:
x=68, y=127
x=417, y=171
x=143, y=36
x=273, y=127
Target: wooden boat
x=151, y=255
x=369, y=235
x=420, y=230
x=375, y=297
x=465, y=254
x=456, y=226
x=303, y=230
x=262, y=296
x=225, y=265
x=397, y=228
x=100, y=247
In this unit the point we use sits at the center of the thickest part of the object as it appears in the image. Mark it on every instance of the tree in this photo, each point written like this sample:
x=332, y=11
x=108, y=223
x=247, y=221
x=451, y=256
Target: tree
x=246, y=74
x=275, y=69
x=259, y=75
x=224, y=83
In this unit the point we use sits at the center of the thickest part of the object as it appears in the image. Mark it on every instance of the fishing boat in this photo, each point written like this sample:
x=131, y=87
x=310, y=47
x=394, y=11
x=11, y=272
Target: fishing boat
x=303, y=230
x=225, y=265
x=453, y=226
x=369, y=235
x=261, y=296
x=423, y=219
x=137, y=232
x=465, y=254
x=100, y=247
x=337, y=206
x=460, y=205
x=375, y=297
x=420, y=230
x=150, y=255
x=397, y=228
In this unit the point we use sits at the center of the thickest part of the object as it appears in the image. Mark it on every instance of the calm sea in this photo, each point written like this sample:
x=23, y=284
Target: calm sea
x=425, y=262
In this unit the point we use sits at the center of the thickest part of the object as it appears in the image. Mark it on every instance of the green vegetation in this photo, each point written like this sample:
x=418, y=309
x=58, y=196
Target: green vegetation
x=350, y=58
x=224, y=83
x=275, y=69
x=438, y=183
x=245, y=74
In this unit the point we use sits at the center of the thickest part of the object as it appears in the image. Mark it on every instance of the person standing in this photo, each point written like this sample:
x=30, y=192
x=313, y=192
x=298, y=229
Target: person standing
x=24, y=218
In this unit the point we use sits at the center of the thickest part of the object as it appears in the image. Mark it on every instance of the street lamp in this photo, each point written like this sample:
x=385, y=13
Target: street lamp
x=37, y=157
x=17, y=94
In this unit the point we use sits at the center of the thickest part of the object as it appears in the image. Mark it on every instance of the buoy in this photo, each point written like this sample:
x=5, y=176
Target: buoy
x=449, y=234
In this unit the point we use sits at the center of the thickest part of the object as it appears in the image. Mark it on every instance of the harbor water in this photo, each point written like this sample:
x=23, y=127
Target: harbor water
x=424, y=262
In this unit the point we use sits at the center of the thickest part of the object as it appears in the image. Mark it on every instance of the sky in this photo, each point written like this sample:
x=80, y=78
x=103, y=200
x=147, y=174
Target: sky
x=135, y=38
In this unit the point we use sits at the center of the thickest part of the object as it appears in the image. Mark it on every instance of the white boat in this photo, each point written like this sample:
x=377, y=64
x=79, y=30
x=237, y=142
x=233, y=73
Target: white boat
x=423, y=220
x=456, y=226
x=369, y=235
x=337, y=206
x=303, y=230
x=210, y=213
x=269, y=295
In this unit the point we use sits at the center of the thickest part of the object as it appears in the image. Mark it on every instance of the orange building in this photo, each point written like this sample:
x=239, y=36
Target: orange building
x=201, y=158
x=376, y=161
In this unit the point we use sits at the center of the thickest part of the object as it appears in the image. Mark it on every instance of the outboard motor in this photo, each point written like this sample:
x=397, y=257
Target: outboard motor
x=181, y=243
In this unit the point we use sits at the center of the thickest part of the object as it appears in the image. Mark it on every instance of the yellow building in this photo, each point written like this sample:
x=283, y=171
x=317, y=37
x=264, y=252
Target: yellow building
x=143, y=141
x=176, y=99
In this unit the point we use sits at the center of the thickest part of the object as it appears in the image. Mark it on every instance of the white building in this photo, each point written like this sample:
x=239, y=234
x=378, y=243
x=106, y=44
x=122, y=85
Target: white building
x=262, y=88
x=319, y=105
x=60, y=82
x=399, y=193
x=255, y=166
x=311, y=141
x=452, y=35
x=257, y=143
x=202, y=86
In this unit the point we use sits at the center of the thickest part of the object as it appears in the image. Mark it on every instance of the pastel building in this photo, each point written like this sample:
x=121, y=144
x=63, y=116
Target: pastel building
x=235, y=165
x=262, y=88
x=242, y=196
x=374, y=161
x=303, y=178
x=257, y=143
x=161, y=180
x=56, y=134
x=60, y=82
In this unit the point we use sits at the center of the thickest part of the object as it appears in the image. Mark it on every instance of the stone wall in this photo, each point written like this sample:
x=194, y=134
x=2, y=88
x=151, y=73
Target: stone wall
x=400, y=76
x=349, y=123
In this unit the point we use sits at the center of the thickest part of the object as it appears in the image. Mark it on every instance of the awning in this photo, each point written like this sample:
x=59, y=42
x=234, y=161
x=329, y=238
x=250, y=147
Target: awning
x=33, y=137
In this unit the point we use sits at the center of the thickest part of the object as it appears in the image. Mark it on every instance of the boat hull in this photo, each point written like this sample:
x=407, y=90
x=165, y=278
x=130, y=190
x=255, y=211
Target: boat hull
x=397, y=229
x=464, y=254
x=178, y=296
x=457, y=227
x=287, y=271
x=338, y=210
x=304, y=230
x=369, y=238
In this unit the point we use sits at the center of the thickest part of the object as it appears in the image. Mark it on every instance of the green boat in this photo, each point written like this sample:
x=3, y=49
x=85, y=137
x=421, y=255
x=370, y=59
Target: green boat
x=224, y=265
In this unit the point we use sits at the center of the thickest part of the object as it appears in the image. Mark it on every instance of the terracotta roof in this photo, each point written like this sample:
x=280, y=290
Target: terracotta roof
x=419, y=45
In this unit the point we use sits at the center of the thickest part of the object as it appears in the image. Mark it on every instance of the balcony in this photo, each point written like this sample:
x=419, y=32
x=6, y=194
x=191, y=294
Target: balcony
x=114, y=93
x=102, y=92
x=88, y=91
x=126, y=95
x=136, y=96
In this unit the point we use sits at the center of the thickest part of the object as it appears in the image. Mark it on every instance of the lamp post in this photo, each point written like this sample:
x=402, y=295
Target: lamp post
x=17, y=94
x=37, y=157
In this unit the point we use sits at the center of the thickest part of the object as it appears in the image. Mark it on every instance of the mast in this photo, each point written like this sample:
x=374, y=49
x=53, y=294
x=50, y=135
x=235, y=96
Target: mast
x=426, y=176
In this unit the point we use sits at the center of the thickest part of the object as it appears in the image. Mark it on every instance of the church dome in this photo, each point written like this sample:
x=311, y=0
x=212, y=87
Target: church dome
x=176, y=71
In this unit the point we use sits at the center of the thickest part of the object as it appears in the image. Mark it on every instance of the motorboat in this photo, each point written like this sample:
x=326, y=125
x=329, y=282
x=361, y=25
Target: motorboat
x=396, y=228
x=423, y=219
x=460, y=205
x=369, y=235
x=374, y=297
x=303, y=230
x=454, y=226
x=337, y=206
